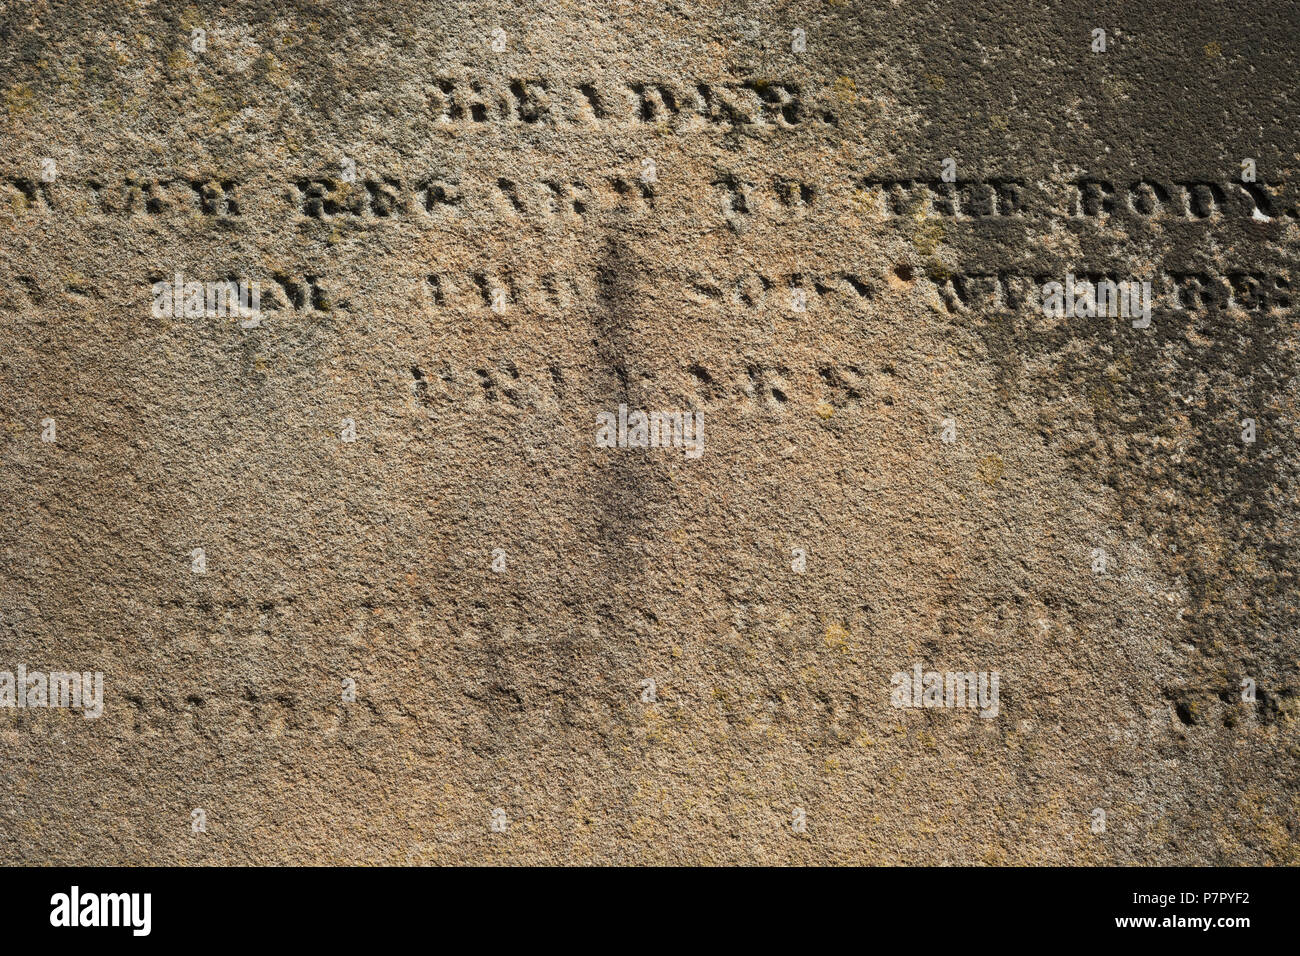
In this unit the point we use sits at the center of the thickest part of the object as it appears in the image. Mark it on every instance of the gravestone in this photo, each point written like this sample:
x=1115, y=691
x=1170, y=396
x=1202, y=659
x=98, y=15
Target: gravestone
x=816, y=433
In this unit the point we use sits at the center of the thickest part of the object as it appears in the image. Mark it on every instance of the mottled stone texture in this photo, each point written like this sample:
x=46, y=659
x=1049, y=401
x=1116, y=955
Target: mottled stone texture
x=663, y=206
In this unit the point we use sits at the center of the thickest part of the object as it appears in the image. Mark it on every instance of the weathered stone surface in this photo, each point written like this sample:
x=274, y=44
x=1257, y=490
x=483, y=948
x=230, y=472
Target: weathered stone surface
x=666, y=207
